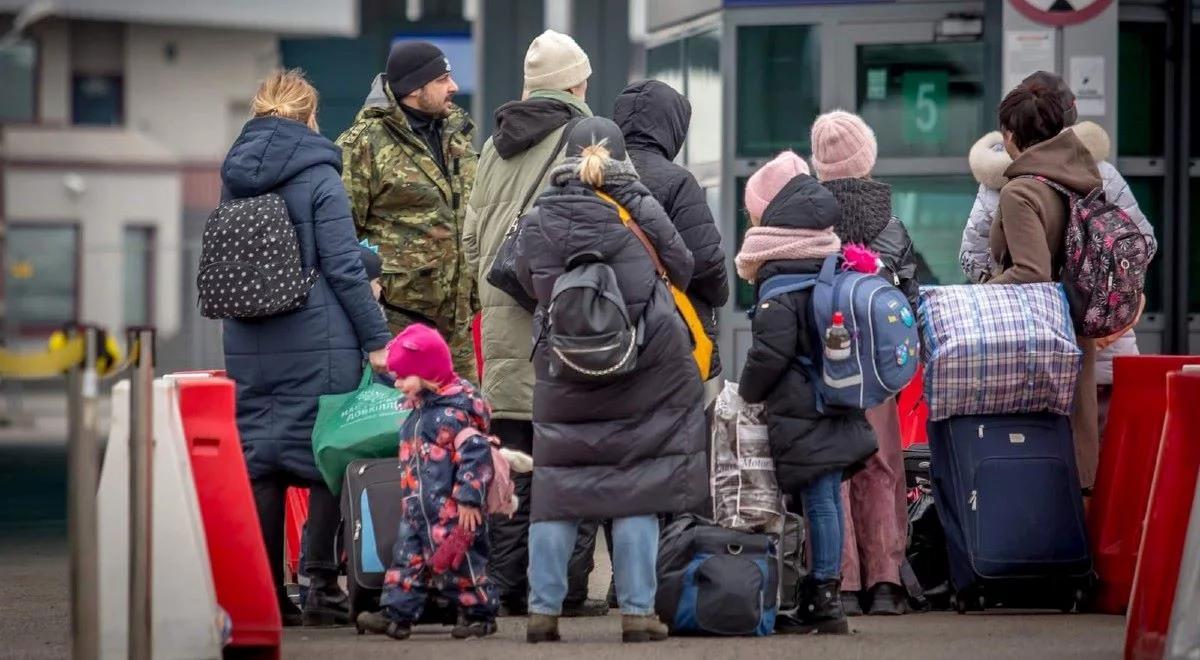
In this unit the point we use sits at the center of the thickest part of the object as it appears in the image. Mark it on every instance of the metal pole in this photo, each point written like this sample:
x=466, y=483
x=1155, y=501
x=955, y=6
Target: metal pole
x=83, y=472
x=141, y=466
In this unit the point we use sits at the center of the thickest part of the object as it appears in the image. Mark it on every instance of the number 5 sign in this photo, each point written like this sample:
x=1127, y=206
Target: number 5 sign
x=924, y=106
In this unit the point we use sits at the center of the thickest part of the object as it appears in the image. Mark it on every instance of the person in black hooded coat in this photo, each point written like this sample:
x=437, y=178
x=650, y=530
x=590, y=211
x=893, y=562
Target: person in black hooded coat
x=628, y=447
x=813, y=449
x=654, y=119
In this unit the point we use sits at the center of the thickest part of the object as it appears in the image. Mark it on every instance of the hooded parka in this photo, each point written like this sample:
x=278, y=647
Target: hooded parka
x=631, y=445
x=511, y=162
x=1027, y=243
x=804, y=442
x=654, y=118
x=281, y=364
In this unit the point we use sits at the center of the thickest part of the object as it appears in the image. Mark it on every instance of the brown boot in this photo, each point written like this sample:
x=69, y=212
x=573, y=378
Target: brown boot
x=542, y=628
x=642, y=629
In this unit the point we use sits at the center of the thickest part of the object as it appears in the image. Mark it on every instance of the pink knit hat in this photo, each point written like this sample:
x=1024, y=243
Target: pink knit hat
x=764, y=184
x=843, y=146
x=420, y=351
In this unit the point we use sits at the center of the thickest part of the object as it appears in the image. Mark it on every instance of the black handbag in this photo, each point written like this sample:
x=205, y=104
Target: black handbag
x=503, y=272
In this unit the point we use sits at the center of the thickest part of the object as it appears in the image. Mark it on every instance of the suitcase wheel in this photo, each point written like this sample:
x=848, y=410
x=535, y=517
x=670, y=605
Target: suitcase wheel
x=964, y=602
x=1074, y=602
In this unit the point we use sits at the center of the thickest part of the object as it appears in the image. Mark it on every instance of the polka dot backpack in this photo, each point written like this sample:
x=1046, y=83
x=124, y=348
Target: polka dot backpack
x=250, y=261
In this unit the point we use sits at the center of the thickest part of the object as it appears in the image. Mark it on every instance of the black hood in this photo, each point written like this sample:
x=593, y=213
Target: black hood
x=866, y=208
x=653, y=116
x=802, y=204
x=522, y=124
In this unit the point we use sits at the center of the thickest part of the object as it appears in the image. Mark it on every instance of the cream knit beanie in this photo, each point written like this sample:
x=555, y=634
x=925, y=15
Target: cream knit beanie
x=555, y=61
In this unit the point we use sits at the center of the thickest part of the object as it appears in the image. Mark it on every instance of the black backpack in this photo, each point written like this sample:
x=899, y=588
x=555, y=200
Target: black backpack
x=587, y=325
x=250, y=261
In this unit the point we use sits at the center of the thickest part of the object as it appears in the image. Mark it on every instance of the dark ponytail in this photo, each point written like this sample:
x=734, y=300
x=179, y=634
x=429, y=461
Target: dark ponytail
x=1033, y=113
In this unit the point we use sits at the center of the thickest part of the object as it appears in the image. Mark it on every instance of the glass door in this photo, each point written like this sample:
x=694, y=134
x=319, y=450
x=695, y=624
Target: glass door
x=924, y=100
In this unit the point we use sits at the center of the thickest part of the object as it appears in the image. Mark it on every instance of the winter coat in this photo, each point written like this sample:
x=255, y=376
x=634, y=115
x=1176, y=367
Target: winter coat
x=1027, y=242
x=654, y=119
x=404, y=202
x=867, y=220
x=634, y=445
x=281, y=364
x=988, y=161
x=516, y=153
x=805, y=443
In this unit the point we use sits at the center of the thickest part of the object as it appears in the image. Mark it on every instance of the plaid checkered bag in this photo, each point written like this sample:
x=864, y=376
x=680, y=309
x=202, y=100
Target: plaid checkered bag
x=998, y=349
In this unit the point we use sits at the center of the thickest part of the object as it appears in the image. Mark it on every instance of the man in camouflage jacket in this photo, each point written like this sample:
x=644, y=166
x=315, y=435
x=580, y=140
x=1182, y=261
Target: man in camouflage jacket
x=409, y=198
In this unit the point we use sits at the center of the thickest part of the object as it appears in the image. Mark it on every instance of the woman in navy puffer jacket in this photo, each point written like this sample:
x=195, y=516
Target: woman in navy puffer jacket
x=283, y=363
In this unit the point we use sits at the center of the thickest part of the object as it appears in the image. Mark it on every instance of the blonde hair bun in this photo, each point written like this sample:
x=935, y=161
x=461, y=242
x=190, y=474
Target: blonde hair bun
x=287, y=94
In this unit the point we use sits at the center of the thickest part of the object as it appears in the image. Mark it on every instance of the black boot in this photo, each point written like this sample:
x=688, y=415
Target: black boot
x=326, y=603
x=288, y=612
x=888, y=599
x=588, y=607
x=820, y=611
x=467, y=628
x=377, y=623
x=851, y=604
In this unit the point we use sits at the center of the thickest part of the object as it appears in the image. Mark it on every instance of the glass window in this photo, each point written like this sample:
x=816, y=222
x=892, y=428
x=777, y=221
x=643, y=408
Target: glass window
x=97, y=100
x=923, y=99
x=1141, y=94
x=778, y=88
x=18, y=66
x=138, y=258
x=934, y=209
x=743, y=290
x=40, y=285
x=1148, y=191
x=665, y=63
x=703, y=59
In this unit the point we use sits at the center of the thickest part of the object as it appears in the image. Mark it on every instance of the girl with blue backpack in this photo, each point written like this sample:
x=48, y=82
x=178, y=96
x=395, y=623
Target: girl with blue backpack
x=814, y=445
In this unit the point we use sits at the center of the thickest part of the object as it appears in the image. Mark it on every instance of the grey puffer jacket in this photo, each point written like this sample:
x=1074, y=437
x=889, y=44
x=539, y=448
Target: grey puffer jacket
x=988, y=161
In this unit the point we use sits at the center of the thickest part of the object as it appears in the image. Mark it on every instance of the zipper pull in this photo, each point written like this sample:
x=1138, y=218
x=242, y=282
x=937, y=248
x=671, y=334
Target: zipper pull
x=981, y=431
x=974, y=500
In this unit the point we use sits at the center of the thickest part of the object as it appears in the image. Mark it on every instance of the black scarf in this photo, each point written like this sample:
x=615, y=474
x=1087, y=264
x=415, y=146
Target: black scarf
x=429, y=128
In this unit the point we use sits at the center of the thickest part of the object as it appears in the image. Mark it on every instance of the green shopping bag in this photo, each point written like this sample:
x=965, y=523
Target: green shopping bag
x=364, y=423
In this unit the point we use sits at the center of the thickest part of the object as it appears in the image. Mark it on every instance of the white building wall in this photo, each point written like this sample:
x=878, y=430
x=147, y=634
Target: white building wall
x=190, y=88
x=54, y=68
x=110, y=201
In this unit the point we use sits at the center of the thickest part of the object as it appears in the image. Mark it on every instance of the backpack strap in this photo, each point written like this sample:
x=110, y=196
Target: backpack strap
x=784, y=284
x=628, y=221
x=1061, y=189
x=469, y=432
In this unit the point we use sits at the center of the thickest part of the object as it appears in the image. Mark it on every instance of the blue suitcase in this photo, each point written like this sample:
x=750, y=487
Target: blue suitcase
x=1007, y=492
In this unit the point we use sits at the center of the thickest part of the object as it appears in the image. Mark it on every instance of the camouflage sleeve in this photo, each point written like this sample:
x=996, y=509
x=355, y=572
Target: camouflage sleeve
x=470, y=238
x=358, y=174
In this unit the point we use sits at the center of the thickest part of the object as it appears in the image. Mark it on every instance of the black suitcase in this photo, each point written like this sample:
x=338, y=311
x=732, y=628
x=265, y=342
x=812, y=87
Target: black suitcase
x=1007, y=493
x=916, y=466
x=371, y=510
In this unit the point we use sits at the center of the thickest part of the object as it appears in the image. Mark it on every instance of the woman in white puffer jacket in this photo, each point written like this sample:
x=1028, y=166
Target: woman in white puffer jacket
x=988, y=162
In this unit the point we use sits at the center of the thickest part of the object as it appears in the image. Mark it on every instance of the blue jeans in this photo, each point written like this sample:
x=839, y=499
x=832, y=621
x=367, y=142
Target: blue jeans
x=635, y=554
x=823, y=509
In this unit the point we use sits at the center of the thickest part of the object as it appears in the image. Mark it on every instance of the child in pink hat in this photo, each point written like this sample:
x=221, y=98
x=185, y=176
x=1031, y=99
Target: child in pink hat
x=765, y=183
x=444, y=485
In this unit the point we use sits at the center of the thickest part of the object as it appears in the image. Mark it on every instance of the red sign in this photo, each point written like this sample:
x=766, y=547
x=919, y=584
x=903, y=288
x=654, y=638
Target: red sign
x=1060, y=12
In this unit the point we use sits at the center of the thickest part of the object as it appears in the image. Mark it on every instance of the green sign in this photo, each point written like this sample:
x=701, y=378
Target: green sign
x=924, y=106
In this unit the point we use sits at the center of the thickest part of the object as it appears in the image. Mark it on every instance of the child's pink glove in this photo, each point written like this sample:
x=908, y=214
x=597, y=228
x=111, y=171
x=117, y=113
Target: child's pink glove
x=450, y=554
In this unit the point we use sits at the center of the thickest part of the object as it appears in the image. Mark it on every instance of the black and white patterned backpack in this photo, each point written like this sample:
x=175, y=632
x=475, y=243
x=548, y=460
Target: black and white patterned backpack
x=250, y=261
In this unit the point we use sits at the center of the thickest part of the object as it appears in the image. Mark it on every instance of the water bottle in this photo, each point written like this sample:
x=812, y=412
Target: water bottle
x=837, y=339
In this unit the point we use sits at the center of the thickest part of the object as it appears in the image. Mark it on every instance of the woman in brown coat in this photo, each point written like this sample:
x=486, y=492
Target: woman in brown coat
x=1027, y=237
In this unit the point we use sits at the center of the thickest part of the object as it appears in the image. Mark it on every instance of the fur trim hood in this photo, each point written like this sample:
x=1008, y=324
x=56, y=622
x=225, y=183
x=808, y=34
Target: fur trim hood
x=988, y=160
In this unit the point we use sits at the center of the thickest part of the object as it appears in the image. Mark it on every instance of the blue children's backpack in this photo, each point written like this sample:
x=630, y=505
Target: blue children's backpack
x=884, y=345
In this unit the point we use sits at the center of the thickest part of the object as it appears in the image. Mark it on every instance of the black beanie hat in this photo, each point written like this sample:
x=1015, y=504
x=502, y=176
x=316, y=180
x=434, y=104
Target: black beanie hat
x=413, y=64
x=593, y=130
x=372, y=262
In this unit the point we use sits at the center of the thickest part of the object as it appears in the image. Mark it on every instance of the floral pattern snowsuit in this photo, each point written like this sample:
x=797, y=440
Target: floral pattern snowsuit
x=436, y=479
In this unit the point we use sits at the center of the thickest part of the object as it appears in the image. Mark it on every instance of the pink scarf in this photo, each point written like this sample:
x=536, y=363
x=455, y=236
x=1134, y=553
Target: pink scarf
x=765, y=244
